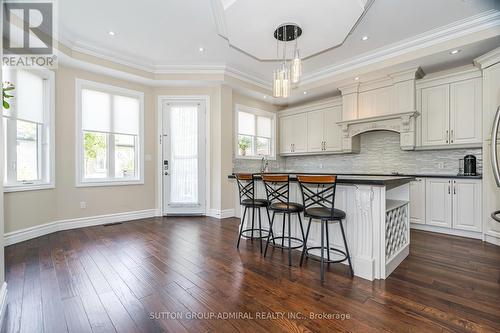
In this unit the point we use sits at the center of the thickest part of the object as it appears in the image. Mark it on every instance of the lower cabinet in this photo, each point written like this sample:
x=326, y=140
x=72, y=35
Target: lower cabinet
x=446, y=203
x=417, y=202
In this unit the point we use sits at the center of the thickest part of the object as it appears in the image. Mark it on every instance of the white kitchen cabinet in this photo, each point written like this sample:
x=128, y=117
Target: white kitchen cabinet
x=438, y=202
x=451, y=113
x=333, y=132
x=465, y=112
x=323, y=133
x=417, y=201
x=435, y=115
x=467, y=205
x=455, y=204
x=315, y=131
x=293, y=138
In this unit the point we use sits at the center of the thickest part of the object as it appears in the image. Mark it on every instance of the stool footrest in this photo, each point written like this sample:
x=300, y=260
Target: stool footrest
x=286, y=239
x=318, y=258
x=255, y=230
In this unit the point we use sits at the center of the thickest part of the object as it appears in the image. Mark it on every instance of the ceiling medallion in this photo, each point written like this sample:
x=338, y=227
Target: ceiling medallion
x=288, y=71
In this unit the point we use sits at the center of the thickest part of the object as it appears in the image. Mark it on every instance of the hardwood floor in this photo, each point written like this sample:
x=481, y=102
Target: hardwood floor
x=150, y=275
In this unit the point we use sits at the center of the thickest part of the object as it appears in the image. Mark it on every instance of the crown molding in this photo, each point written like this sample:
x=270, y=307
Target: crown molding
x=486, y=20
x=488, y=59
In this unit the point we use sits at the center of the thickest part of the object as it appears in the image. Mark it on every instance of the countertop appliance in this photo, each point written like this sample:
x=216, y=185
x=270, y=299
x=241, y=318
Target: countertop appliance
x=470, y=165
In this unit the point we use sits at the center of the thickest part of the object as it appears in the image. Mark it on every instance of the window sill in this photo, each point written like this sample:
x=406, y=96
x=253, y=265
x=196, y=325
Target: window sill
x=102, y=183
x=27, y=187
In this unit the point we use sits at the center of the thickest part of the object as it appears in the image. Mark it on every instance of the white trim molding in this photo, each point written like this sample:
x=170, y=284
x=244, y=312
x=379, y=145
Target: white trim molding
x=221, y=214
x=51, y=227
x=447, y=231
x=3, y=302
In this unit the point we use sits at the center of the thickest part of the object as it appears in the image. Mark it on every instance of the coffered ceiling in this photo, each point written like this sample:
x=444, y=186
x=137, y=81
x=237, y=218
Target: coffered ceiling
x=205, y=36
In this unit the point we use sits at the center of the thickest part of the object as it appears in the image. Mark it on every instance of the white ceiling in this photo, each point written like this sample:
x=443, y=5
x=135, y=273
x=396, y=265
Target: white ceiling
x=325, y=24
x=156, y=34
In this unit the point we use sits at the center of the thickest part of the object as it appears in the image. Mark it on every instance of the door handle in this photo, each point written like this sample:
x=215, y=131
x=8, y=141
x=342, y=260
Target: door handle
x=454, y=187
x=449, y=189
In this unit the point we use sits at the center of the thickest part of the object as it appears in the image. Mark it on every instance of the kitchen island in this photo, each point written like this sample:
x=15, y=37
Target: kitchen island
x=377, y=223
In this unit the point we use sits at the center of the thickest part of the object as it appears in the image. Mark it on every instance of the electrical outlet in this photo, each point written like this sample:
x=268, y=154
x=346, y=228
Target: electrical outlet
x=441, y=165
x=83, y=204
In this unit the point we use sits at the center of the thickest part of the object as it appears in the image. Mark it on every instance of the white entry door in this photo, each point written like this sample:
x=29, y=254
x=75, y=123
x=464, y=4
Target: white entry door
x=183, y=144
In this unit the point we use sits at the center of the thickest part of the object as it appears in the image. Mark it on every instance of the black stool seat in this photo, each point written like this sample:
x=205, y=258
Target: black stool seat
x=255, y=202
x=290, y=207
x=324, y=213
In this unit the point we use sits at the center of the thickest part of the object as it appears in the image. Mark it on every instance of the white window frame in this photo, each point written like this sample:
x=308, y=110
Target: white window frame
x=256, y=112
x=113, y=90
x=47, y=137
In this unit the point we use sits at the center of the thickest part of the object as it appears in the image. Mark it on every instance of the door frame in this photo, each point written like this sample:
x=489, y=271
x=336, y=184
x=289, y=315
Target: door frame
x=159, y=151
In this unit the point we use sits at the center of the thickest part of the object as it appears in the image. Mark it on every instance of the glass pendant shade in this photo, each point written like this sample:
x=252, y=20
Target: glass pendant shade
x=277, y=83
x=296, y=67
x=281, y=82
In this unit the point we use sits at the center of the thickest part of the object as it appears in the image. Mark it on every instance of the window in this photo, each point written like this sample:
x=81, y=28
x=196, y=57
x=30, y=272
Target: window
x=255, y=133
x=28, y=126
x=110, y=135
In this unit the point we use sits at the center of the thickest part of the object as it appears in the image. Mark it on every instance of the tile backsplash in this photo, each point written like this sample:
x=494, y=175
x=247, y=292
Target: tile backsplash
x=380, y=153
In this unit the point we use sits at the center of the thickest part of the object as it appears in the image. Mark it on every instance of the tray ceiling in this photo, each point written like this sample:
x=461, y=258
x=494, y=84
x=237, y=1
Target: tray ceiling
x=249, y=25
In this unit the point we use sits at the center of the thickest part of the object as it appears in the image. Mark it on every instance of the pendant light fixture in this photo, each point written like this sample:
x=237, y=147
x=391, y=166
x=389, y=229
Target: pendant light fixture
x=285, y=75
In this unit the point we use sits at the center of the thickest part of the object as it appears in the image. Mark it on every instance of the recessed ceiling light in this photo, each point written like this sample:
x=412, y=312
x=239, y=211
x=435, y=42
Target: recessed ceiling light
x=305, y=92
x=356, y=78
x=201, y=49
x=364, y=38
x=455, y=52
x=111, y=33
x=265, y=96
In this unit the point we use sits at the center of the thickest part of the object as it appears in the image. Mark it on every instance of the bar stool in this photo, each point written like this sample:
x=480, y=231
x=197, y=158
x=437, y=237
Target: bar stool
x=246, y=187
x=318, y=194
x=278, y=190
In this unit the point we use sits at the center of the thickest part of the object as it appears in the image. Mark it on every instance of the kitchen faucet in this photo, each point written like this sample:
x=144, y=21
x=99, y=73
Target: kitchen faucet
x=264, y=164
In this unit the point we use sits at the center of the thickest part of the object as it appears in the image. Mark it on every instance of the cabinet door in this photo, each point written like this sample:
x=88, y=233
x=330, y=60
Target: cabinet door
x=417, y=201
x=332, y=131
x=285, y=137
x=299, y=133
x=435, y=115
x=315, y=124
x=467, y=204
x=438, y=202
x=465, y=112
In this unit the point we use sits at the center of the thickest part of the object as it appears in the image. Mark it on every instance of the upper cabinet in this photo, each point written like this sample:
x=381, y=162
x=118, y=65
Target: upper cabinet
x=450, y=108
x=293, y=137
x=311, y=129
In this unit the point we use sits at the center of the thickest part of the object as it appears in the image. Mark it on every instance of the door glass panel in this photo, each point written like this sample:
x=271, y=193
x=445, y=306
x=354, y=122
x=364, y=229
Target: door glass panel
x=184, y=154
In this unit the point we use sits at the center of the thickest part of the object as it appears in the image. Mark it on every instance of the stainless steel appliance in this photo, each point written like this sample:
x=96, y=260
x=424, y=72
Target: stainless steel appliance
x=470, y=165
x=494, y=158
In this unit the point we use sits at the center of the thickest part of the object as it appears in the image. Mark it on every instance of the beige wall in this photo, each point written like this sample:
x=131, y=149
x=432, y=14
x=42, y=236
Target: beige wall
x=31, y=208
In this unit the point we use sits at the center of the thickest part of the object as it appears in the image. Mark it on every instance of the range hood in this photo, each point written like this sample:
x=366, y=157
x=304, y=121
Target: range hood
x=402, y=123
x=386, y=104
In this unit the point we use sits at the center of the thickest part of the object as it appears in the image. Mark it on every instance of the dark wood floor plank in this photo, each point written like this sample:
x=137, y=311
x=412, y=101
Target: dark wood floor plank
x=75, y=314
x=53, y=308
x=123, y=277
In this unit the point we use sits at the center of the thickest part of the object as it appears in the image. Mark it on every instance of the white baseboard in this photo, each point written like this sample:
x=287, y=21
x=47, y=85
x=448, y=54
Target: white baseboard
x=448, y=231
x=221, y=214
x=3, y=302
x=47, y=228
x=492, y=237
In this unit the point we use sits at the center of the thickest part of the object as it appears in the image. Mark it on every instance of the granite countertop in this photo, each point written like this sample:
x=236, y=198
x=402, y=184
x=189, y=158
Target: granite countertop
x=380, y=180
